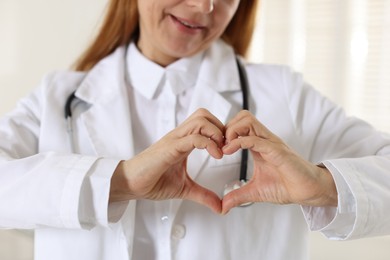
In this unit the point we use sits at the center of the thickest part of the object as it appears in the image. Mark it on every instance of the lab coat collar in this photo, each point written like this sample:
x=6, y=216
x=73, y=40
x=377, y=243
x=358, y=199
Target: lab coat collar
x=108, y=119
x=218, y=73
x=105, y=80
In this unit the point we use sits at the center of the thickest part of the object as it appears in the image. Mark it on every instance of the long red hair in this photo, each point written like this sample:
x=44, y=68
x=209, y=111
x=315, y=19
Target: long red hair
x=120, y=25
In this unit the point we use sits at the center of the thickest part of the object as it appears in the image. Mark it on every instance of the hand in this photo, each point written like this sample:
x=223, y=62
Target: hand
x=160, y=172
x=279, y=175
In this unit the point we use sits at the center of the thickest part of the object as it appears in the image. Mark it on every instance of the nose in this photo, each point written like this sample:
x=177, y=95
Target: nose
x=204, y=6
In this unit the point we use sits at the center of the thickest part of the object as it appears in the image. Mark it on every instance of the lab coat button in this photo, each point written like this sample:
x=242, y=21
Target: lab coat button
x=178, y=231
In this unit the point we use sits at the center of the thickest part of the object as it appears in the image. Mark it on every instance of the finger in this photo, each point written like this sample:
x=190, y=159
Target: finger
x=204, y=113
x=246, y=125
x=209, y=130
x=262, y=150
x=237, y=197
x=190, y=142
x=204, y=123
x=204, y=197
x=253, y=143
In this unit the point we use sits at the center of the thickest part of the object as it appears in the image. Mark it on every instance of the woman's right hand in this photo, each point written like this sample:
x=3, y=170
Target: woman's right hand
x=160, y=171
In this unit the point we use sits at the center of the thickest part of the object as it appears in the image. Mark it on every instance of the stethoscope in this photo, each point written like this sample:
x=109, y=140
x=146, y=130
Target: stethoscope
x=245, y=106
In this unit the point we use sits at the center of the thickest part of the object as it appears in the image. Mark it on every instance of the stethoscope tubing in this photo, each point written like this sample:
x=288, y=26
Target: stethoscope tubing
x=245, y=106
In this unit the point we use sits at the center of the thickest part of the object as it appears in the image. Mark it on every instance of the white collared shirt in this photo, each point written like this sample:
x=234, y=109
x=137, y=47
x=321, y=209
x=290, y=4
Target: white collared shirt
x=158, y=99
x=163, y=94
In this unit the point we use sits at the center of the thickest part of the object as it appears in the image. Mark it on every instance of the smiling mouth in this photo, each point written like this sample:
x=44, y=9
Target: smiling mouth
x=188, y=24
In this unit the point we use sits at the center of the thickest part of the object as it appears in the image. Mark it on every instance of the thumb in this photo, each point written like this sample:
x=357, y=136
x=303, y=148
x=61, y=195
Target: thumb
x=236, y=198
x=204, y=197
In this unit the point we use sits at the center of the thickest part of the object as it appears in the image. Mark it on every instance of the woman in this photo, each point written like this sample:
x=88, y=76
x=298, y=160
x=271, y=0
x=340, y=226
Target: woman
x=156, y=133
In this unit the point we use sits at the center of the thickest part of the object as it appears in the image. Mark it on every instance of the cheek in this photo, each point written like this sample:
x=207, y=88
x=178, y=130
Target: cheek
x=147, y=12
x=220, y=23
x=223, y=17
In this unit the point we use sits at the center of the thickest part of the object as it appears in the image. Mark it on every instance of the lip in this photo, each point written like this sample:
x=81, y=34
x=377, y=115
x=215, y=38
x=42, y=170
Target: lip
x=186, y=25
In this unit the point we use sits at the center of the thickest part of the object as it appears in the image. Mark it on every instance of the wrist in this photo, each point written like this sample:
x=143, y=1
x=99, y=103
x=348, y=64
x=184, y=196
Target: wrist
x=119, y=189
x=329, y=196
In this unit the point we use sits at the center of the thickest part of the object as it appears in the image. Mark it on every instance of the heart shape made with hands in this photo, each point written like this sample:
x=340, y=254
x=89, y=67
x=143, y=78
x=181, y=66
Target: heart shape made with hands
x=202, y=130
x=161, y=170
x=279, y=174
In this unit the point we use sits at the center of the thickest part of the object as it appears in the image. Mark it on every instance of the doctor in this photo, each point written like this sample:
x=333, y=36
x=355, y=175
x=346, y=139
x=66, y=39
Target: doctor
x=157, y=130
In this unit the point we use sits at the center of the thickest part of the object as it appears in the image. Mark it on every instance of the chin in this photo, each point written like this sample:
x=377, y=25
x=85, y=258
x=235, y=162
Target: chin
x=178, y=52
x=180, y=49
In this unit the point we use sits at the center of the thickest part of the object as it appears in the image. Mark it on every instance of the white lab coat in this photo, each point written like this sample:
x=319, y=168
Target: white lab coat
x=64, y=196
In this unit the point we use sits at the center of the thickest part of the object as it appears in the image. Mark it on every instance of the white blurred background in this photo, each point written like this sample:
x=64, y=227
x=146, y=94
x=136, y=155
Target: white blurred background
x=341, y=47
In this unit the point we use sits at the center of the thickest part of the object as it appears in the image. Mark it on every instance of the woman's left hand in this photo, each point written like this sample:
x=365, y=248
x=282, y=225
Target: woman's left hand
x=280, y=176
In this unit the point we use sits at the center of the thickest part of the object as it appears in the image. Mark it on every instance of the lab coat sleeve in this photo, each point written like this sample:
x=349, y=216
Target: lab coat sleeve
x=355, y=153
x=332, y=220
x=48, y=189
x=93, y=210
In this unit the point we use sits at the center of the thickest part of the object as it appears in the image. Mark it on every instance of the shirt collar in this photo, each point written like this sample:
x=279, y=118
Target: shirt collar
x=146, y=76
